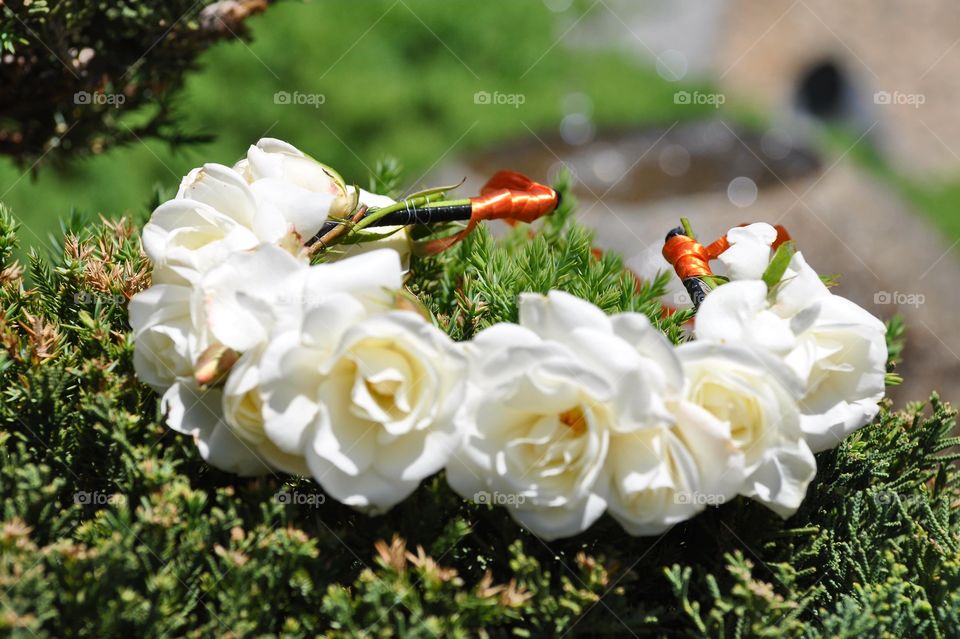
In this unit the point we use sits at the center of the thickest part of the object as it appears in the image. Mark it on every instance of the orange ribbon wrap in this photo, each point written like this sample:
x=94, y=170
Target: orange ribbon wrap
x=721, y=245
x=688, y=257
x=509, y=196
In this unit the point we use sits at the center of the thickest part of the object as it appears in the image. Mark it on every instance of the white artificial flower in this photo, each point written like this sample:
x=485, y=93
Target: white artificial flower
x=756, y=395
x=574, y=411
x=367, y=399
x=835, y=347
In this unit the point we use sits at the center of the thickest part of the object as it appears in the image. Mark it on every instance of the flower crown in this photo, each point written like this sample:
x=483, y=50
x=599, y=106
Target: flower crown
x=280, y=337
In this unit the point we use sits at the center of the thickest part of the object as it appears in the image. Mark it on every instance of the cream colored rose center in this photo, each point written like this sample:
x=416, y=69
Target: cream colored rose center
x=738, y=408
x=383, y=384
x=549, y=446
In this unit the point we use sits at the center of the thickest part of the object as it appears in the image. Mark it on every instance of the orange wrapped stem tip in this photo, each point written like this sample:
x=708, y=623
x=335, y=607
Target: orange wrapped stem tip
x=688, y=257
x=509, y=196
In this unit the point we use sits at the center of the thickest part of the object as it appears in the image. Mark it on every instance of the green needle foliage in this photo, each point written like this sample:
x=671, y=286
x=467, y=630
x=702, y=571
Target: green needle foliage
x=112, y=526
x=79, y=76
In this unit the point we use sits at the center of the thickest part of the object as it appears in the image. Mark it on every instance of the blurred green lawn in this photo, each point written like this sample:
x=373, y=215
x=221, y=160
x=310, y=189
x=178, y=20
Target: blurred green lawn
x=398, y=78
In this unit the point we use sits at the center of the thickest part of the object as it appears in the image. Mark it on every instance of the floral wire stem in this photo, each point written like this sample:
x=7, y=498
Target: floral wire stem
x=325, y=238
x=429, y=208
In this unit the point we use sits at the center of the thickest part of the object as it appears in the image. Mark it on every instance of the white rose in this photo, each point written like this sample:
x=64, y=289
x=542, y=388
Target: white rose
x=196, y=411
x=836, y=348
x=235, y=305
x=287, y=182
x=366, y=283
x=538, y=425
x=185, y=238
x=166, y=336
x=755, y=395
x=242, y=408
x=842, y=358
x=213, y=216
x=277, y=195
x=367, y=399
x=749, y=252
x=252, y=294
x=570, y=412
x=666, y=474
x=668, y=460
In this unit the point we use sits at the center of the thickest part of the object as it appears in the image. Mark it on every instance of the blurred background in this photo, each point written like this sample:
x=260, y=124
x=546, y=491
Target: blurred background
x=837, y=120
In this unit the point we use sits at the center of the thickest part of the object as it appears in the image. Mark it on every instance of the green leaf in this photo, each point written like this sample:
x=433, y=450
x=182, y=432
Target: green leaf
x=778, y=265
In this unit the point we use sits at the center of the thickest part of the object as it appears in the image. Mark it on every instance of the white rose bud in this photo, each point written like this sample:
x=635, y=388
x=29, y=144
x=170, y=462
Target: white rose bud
x=287, y=182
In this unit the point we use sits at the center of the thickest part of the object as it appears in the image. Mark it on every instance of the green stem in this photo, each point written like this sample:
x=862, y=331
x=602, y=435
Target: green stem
x=425, y=201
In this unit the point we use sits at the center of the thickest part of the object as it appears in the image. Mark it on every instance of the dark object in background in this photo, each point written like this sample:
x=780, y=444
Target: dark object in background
x=73, y=71
x=823, y=91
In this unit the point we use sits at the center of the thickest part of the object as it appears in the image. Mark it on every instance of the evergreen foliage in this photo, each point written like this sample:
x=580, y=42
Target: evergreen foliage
x=73, y=71
x=111, y=525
